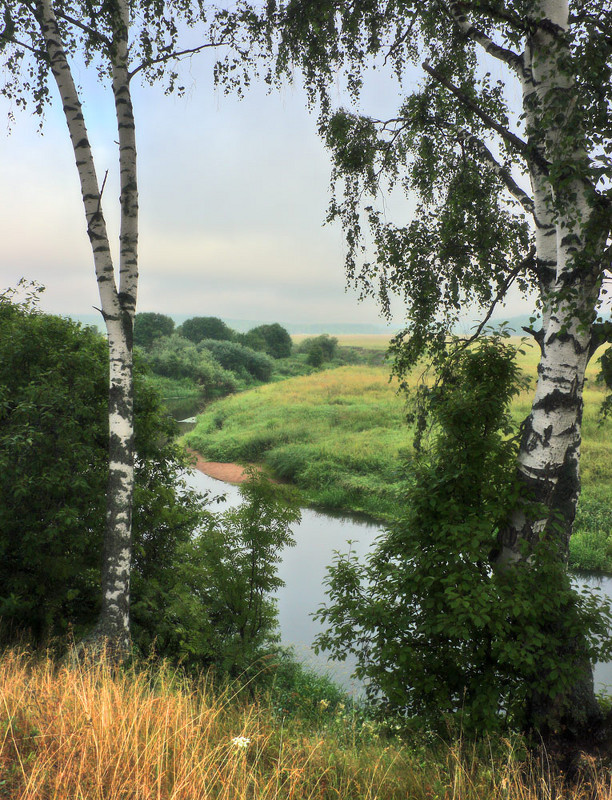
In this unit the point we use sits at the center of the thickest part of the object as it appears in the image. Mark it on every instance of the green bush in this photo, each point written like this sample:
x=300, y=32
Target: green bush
x=54, y=472
x=198, y=328
x=149, y=326
x=273, y=339
x=175, y=357
x=239, y=359
x=319, y=349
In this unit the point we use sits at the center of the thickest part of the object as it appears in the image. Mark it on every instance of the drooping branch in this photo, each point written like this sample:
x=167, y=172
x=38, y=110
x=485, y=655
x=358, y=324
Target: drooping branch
x=531, y=155
x=502, y=172
x=177, y=54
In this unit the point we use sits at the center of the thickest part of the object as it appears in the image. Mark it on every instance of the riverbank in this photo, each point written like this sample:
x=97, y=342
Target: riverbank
x=228, y=472
x=341, y=437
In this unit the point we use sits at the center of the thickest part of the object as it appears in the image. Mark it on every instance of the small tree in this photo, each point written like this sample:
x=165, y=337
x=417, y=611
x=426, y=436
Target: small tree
x=198, y=328
x=436, y=629
x=149, y=326
x=275, y=340
x=222, y=583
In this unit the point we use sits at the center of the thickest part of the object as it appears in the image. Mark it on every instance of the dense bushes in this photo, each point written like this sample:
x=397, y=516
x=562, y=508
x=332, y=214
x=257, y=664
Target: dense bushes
x=54, y=470
x=239, y=359
x=201, y=583
x=175, y=357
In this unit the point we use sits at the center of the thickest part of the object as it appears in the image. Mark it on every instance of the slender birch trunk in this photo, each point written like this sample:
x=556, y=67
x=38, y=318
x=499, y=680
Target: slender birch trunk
x=118, y=308
x=568, y=266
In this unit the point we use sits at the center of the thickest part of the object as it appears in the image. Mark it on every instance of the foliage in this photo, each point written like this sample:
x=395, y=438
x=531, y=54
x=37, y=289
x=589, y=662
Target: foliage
x=54, y=470
x=176, y=357
x=319, y=349
x=149, y=326
x=456, y=142
x=198, y=328
x=273, y=339
x=201, y=583
x=215, y=606
x=436, y=628
x=240, y=360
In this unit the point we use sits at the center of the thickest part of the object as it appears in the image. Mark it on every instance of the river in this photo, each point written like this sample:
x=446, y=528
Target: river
x=303, y=569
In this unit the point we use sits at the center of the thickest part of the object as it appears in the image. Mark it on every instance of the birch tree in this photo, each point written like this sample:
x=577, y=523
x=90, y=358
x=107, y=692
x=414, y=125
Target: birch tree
x=40, y=43
x=509, y=193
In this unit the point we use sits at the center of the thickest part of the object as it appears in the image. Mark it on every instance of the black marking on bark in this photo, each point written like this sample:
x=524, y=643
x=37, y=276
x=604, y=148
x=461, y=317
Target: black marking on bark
x=555, y=400
x=564, y=337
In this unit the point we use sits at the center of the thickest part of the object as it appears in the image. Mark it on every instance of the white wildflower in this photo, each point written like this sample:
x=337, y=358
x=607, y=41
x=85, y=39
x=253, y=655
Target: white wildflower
x=241, y=742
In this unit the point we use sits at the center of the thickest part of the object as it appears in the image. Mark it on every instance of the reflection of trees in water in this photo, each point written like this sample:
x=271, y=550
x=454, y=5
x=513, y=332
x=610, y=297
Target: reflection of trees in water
x=183, y=407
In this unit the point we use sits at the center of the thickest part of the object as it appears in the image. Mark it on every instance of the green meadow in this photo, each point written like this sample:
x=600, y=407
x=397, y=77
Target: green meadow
x=341, y=436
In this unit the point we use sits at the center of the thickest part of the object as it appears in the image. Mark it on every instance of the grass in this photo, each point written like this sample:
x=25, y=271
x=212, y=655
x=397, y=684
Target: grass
x=340, y=435
x=93, y=733
x=367, y=341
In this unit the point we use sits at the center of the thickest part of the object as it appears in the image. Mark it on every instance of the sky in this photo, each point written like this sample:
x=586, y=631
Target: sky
x=233, y=197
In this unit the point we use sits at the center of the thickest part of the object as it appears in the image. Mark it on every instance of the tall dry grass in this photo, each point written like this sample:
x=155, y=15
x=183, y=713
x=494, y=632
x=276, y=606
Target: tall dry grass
x=70, y=732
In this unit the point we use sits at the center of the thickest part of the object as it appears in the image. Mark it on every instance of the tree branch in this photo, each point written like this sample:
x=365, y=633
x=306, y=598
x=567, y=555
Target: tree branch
x=95, y=34
x=523, y=265
x=470, y=31
x=175, y=54
x=510, y=138
x=502, y=173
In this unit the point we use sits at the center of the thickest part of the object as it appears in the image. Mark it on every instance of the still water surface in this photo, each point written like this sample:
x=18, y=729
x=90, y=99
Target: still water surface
x=303, y=570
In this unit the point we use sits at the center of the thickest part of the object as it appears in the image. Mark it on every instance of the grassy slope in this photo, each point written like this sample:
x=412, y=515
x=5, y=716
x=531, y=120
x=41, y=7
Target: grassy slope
x=340, y=436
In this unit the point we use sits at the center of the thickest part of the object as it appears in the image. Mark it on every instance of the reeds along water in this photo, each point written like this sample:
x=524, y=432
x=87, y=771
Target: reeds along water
x=94, y=733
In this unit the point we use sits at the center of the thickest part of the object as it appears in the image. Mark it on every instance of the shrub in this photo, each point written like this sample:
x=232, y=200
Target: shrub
x=175, y=357
x=319, y=349
x=198, y=328
x=239, y=359
x=274, y=339
x=149, y=326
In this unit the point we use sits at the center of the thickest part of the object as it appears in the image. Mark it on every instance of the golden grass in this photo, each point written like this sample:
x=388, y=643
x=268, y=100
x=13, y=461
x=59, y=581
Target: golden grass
x=77, y=733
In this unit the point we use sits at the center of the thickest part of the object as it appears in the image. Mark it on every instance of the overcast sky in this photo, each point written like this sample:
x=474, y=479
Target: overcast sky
x=233, y=196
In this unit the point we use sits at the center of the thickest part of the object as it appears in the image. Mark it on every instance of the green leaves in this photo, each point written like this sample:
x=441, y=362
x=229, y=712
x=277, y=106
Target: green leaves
x=437, y=629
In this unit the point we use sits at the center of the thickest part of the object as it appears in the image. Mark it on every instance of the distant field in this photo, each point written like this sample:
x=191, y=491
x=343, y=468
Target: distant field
x=340, y=435
x=369, y=341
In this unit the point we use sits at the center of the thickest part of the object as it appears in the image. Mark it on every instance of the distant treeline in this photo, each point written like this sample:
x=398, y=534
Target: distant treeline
x=216, y=360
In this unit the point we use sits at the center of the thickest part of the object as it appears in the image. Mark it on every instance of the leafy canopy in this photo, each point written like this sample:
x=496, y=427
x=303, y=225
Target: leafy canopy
x=458, y=143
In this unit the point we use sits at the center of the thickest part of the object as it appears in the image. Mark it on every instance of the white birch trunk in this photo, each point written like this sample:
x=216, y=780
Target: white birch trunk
x=118, y=309
x=550, y=451
x=548, y=462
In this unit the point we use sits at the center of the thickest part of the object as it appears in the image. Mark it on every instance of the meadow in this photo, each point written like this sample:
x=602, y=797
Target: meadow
x=341, y=436
x=97, y=733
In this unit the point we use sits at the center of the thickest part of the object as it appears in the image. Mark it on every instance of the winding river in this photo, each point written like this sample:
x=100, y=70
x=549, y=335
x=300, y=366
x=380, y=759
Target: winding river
x=303, y=569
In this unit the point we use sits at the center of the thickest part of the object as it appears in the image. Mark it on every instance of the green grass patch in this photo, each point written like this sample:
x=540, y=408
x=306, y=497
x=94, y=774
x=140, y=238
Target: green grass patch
x=341, y=436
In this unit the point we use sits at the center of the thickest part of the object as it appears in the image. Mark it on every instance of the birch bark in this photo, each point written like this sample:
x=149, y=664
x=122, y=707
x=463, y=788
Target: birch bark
x=118, y=308
x=568, y=267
